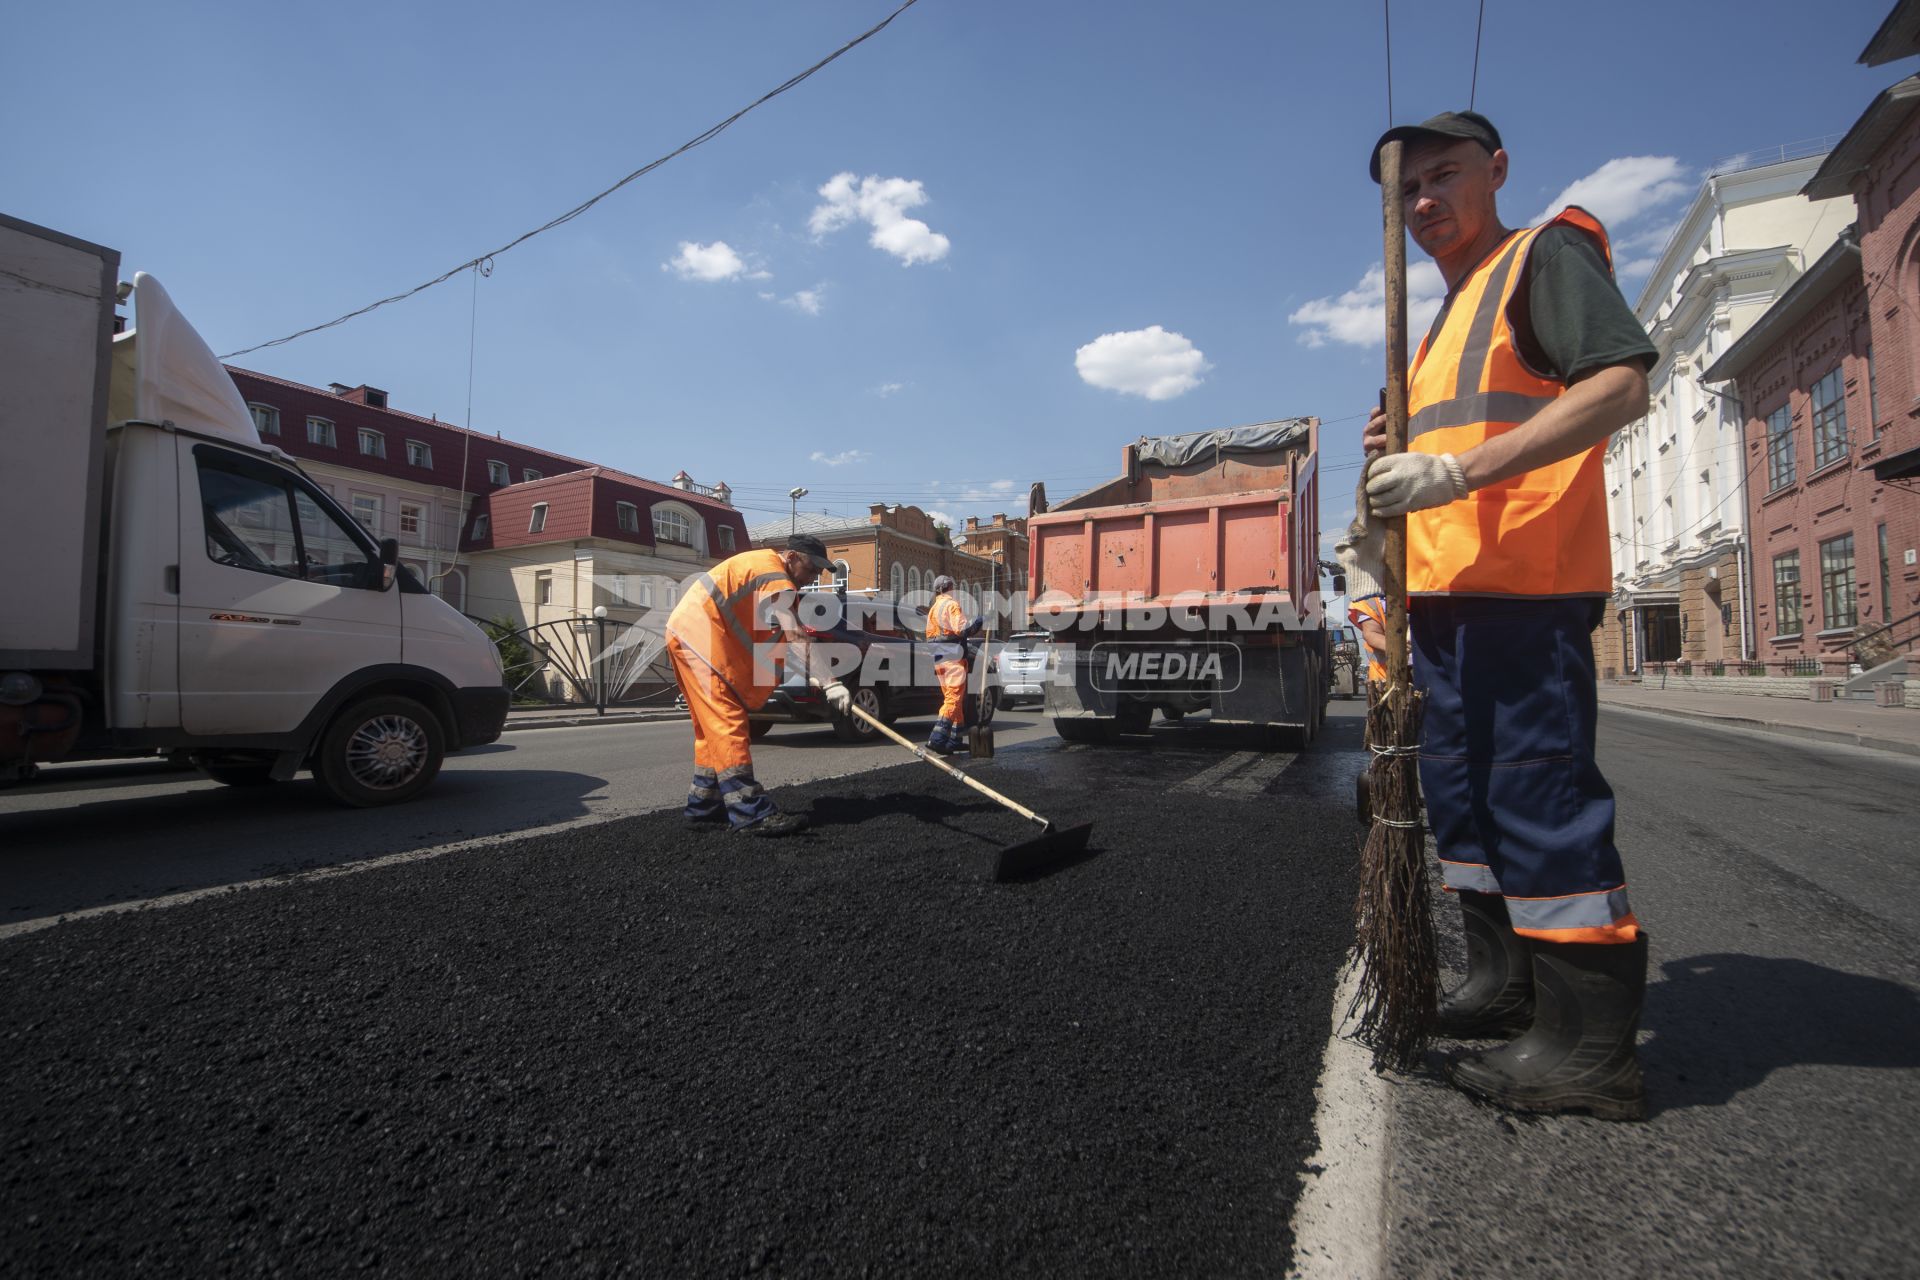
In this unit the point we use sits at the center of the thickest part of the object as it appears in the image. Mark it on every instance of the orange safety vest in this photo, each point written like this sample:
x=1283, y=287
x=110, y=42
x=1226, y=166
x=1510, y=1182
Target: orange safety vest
x=1543, y=532
x=1373, y=608
x=717, y=619
x=946, y=618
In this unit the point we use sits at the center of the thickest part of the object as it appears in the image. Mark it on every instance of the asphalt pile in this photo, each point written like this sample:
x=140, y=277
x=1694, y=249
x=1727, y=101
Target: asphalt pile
x=638, y=1049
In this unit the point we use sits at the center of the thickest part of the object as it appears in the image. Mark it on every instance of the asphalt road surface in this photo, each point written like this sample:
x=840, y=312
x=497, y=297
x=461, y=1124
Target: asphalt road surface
x=89, y=835
x=784, y=1033
x=1779, y=881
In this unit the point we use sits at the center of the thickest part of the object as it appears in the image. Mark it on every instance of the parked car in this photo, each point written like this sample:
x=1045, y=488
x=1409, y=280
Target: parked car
x=1020, y=669
x=894, y=677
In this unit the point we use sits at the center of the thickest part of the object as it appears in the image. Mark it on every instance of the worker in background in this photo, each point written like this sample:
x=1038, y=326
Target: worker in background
x=1534, y=360
x=947, y=634
x=720, y=638
x=1367, y=612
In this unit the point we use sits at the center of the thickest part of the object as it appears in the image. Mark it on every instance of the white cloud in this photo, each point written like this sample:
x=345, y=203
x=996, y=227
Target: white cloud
x=882, y=204
x=941, y=517
x=1358, y=317
x=708, y=263
x=840, y=459
x=805, y=301
x=1622, y=189
x=886, y=389
x=1148, y=362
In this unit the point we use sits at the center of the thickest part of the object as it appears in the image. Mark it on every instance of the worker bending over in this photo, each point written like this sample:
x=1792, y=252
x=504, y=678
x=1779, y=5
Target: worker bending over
x=720, y=638
x=1534, y=360
x=947, y=634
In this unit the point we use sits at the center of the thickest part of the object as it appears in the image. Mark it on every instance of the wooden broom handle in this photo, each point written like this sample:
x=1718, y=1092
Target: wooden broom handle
x=1399, y=666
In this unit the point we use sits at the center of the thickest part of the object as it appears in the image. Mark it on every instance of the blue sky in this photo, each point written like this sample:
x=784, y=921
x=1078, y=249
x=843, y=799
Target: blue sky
x=987, y=247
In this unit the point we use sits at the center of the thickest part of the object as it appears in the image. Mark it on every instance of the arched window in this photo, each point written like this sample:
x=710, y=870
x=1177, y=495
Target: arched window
x=841, y=572
x=670, y=525
x=913, y=580
x=897, y=580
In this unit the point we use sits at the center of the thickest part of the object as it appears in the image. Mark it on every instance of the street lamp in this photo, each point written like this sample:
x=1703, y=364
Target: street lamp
x=600, y=676
x=793, y=522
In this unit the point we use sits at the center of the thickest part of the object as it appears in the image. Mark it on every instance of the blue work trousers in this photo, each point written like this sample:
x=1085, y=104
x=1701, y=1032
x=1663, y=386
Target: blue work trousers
x=1517, y=804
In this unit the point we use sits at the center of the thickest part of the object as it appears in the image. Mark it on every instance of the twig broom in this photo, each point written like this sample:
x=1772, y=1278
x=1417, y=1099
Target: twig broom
x=1393, y=918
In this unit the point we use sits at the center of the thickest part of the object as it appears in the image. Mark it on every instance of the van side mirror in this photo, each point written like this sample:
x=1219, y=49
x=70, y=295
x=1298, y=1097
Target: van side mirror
x=389, y=562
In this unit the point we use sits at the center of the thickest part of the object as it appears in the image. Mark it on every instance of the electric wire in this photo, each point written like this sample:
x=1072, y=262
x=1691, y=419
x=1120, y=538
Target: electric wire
x=581, y=208
x=1474, y=87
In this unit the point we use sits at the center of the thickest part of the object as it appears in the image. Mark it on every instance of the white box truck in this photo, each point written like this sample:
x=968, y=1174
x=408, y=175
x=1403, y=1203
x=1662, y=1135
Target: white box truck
x=172, y=584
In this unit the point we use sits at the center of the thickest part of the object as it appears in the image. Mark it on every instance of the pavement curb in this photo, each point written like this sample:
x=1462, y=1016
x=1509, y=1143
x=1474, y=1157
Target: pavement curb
x=1842, y=737
x=567, y=722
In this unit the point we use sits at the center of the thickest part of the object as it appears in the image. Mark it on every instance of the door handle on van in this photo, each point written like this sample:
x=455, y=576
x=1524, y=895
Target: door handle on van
x=172, y=580
x=389, y=561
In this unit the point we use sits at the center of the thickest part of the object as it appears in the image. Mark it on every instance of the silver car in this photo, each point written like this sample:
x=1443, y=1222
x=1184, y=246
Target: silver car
x=1020, y=668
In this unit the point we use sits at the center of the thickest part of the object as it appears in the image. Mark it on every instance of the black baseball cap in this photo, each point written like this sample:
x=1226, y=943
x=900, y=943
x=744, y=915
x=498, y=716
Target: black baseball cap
x=812, y=548
x=1453, y=126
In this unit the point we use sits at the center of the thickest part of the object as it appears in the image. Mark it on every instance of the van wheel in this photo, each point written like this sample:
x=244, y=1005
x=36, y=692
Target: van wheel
x=384, y=750
x=1084, y=728
x=758, y=729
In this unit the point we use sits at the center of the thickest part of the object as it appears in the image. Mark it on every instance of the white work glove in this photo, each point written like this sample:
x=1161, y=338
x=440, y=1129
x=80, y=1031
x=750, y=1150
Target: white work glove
x=1362, y=557
x=1401, y=482
x=839, y=698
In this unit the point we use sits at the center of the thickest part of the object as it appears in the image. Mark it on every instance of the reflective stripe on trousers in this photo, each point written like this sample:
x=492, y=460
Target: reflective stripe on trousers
x=1517, y=804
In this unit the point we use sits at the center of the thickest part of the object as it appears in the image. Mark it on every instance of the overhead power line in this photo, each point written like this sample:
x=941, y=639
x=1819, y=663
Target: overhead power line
x=579, y=209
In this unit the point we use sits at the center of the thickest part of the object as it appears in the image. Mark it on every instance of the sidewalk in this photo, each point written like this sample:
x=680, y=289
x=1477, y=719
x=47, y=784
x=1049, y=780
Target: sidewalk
x=1854, y=722
x=561, y=717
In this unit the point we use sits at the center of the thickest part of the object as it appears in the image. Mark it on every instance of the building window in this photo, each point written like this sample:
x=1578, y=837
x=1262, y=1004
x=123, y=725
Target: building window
x=1829, y=420
x=366, y=509
x=1839, y=605
x=1873, y=393
x=1780, y=472
x=497, y=473
x=320, y=431
x=726, y=538
x=543, y=588
x=913, y=580
x=372, y=444
x=411, y=518
x=418, y=454
x=528, y=473
x=1786, y=594
x=266, y=419
x=672, y=526
x=628, y=517
x=897, y=580
x=482, y=525
x=842, y=571
x=617, y=588
x=537, y=522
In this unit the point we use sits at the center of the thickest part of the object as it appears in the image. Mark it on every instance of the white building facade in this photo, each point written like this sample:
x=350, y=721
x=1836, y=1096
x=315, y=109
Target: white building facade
x=1676, y=479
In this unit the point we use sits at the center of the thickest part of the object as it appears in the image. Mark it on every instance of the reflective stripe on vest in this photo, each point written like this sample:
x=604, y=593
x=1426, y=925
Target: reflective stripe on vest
x=724, y=598
x=1543, y=532
x=1372, y=609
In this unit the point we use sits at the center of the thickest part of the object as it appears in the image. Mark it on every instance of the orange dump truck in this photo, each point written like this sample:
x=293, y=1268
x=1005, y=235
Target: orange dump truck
x=1189, y=583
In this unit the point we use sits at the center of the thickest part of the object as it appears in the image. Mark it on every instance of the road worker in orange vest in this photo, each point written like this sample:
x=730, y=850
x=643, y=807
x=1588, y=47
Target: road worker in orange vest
x=1533, y=361
x=722, y=638
x=947, y=634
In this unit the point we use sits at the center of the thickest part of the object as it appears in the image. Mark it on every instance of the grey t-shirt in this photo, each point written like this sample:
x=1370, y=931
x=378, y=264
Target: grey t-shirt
x=1568, y=316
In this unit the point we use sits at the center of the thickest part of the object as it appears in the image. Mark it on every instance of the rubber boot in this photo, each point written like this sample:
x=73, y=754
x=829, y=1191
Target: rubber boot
x=1497, y=997
x=1579, y=1054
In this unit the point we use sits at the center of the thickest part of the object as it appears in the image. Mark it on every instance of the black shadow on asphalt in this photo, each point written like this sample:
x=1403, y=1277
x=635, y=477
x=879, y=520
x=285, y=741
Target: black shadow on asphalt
x=1721, y=1023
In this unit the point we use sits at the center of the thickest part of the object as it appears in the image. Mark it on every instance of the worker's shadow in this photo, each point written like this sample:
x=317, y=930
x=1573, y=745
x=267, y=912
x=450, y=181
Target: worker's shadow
x=847, y=811
x=1722, y=1023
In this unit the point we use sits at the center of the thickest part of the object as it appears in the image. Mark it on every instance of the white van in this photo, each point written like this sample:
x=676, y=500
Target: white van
x=183, y=587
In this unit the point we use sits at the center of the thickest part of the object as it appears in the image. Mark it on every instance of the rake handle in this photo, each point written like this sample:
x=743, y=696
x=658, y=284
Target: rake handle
x=938, y=763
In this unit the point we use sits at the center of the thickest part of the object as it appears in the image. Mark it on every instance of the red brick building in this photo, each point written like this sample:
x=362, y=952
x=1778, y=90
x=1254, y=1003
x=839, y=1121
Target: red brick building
x=1829, y=384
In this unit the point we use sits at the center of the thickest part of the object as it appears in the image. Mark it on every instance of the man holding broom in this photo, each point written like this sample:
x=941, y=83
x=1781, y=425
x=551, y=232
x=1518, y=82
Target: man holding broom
x=1534, y=360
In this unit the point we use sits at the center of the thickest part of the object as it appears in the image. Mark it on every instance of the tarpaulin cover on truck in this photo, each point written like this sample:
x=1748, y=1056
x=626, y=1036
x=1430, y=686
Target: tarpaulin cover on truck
x=1197, y=446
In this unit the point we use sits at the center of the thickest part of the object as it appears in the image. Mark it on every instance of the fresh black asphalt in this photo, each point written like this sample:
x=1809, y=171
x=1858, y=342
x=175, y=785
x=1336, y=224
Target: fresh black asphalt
x=635, y=1049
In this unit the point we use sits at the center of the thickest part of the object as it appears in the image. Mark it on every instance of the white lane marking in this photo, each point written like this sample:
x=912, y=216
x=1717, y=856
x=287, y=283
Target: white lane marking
x=1254, y=780
x=1340, y=1222
x=1206, y=778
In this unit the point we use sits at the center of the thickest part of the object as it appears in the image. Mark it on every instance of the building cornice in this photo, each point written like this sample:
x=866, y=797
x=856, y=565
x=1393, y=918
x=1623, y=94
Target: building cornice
x=1876, y=125
x=1835, y=267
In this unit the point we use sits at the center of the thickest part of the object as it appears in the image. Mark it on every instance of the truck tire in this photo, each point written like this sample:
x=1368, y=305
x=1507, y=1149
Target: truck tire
x=1084, y=728
x=852, y=728
x=1133, y=717
x=758, y=729
x=384, y=750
